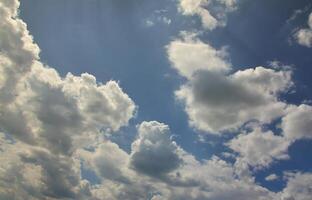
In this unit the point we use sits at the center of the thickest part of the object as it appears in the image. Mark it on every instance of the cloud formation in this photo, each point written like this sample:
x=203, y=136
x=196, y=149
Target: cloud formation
x=297, y=124
x=212, y=13
x=52, y=127
x=217, y=102
x=189, y=55
x=259, y=149
x=153, y=149
x=304, y=35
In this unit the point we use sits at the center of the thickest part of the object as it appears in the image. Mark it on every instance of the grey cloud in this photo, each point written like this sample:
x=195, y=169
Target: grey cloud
x=298, y=187
x=154, y=153
x=216, y=102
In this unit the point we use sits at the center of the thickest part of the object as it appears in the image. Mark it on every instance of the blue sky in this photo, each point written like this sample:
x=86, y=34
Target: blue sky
x=179, y=97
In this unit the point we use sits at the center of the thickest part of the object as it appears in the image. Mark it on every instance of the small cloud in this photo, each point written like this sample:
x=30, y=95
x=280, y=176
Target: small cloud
x=149, y=23
x=304, y=36
x=152, y=21
x=271, y=177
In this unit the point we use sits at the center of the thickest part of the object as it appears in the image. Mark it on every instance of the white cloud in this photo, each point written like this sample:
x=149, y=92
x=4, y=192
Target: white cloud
x=304, y=36
x=260, y=149
x=297, y=123
x=271, y=177
x=205, y=8
x=53, y=110
x=43, y=114
x=189, y=55
x=217, y=102
x=108, y=161
x=191, y=179
x=298, y=187
x=51, y=126
x=18, y=51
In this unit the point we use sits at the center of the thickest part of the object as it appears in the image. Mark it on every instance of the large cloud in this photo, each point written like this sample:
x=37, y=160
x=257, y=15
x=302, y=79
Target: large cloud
x=147, y=172
x=53, y=110
x=216, y=102
x=18, y=51
x=51, y=130
x=44, y=117
x=304, y=35
x=298, y=187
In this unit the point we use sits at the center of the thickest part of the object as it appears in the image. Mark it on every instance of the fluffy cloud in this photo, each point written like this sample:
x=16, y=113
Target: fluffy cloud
x=304, y=36
x=18, y=51
x=297, y=123
x=129, y=176
x=108, y=161
x=53, y=110
x=211, y=12
x=217, y=102
x=189, y=55
x=298, y=187
x=259, y=148
x=44, y=118
x=51, y=128
x=153, y=149
x=30, y=172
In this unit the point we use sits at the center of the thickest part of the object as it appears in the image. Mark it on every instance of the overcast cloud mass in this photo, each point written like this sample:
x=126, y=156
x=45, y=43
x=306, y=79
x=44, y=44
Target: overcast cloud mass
x=72, y=135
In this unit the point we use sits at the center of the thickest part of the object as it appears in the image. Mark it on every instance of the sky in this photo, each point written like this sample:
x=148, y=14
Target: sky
x=156, y=100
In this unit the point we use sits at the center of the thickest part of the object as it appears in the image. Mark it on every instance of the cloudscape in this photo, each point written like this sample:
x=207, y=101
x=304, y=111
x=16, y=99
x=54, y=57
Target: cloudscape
x=155, y=100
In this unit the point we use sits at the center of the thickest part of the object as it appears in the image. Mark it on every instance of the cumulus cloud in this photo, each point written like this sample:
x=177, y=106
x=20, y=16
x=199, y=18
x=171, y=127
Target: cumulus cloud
x=304, y=35
x=53, y=110
x=211, y=12
x=45, y=115
x=108, y=161
x=189, y=55
x=154, y=153
x=217, y=102
x=297, y=123
x=129, y=175
x=51, y=128
x=18, y=51
x=298, y=187
x=258, y=148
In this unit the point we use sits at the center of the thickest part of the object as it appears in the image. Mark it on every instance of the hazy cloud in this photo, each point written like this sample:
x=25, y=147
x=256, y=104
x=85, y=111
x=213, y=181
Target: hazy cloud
x=304, y=35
